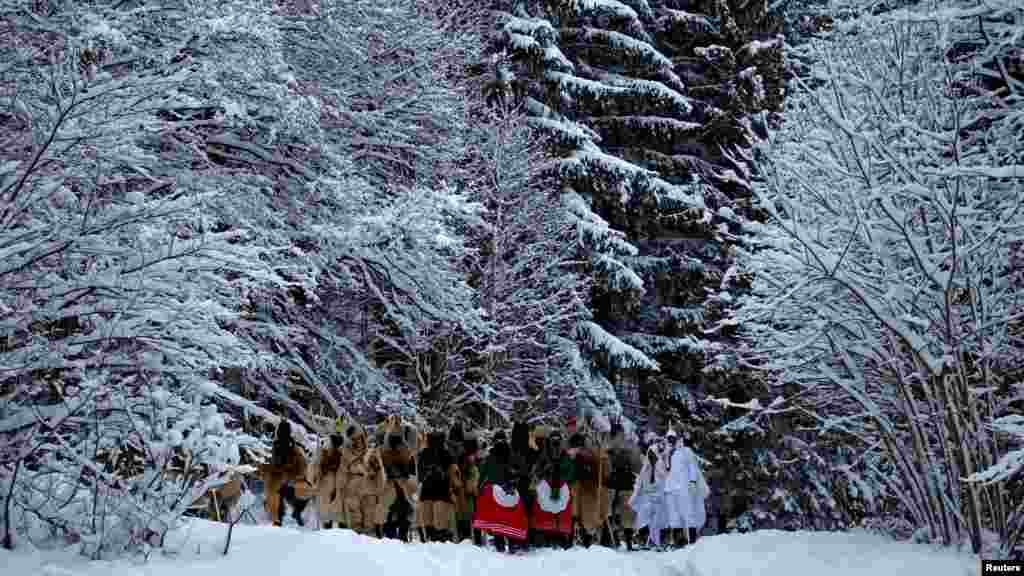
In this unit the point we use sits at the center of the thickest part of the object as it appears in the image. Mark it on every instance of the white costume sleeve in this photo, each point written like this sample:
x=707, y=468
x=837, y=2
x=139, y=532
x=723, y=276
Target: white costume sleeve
x=696, y=515
x=638, y=485
x=677, y=478
x=693, y=472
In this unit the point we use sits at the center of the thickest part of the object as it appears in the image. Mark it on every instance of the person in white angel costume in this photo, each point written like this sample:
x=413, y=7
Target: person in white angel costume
x=648, y=498
x=685, y=491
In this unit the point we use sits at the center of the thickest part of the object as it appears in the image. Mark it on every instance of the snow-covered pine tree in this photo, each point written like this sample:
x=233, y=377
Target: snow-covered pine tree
x=654, y=107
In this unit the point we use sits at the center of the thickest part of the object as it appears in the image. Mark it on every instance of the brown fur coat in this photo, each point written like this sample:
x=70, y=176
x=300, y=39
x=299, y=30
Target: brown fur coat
x=221, y=499
x=352, y=469
x=398, y=462
x=329, y=496
x=590, y=501
x=371, y=480
x=276, y=476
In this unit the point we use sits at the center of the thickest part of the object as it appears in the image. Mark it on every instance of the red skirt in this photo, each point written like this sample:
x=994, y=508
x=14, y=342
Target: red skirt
x=500, y=519
x=551, y=521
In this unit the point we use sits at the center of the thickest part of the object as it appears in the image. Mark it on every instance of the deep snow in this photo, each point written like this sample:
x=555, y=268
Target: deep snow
x=264, y=550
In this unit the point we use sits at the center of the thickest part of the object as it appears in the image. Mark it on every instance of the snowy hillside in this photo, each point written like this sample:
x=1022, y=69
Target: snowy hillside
x=258, y=551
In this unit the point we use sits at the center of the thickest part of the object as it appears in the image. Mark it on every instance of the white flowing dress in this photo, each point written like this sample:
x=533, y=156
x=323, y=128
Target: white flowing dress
x=648, y=500
x=677, y=499
x=697, y=490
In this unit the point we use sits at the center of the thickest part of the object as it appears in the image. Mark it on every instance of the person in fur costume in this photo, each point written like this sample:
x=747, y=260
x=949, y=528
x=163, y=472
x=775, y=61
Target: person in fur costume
x=456, y=444
x=590, y=498
x=375, y=490
x=465, y=499
x=626, y=462
x=330, y=498
x=349, y=452
x=553, y=474
x=222, y=499
x=434, y=473
x=360, y=514
x=604, y=503
x=284, y=477
x=397, y=452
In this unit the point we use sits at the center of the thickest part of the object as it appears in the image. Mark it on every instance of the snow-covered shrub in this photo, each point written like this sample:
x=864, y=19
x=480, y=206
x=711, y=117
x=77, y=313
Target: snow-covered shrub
x=884, y=296
x=115, y=295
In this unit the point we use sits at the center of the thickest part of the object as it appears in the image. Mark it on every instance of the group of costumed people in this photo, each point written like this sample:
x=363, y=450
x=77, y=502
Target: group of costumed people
x=531, y=486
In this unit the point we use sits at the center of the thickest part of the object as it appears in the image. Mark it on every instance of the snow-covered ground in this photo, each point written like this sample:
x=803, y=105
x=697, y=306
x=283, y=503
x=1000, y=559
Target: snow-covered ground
x=264, y=550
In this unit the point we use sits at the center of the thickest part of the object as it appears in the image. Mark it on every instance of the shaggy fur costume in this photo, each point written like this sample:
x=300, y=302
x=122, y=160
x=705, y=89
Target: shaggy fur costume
x=359, y=490
x=435, y=512
x=329, y=497
x=590, y=505
x=284, y=477
x=627, y=461
x=369, y=485
x=468, y=490
x=397, y=506
x=220, y=500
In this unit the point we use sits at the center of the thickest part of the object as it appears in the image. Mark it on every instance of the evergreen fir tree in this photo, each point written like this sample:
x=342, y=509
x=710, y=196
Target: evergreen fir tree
x=655, y=107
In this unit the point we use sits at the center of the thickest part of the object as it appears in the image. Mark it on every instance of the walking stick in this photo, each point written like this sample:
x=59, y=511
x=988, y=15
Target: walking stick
x=317, y=478
x=216, y=504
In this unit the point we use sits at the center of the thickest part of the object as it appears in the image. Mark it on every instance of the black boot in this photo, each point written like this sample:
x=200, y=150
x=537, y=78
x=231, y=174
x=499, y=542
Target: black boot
x=403, y=531
x=328, y=525
x=378, y=531
x=693, y=535
x=588, y=539
x=500, y=543
x=478, y=537
x=423, y=534
x=298, y=507
x=627, y=536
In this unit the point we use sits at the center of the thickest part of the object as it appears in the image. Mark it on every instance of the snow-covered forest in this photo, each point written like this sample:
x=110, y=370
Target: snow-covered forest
x=792, y=229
